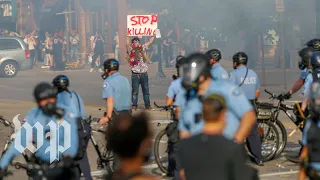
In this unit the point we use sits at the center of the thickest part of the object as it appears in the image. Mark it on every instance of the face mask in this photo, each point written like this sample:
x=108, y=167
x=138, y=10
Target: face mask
x=301, y=66
x=49, y=109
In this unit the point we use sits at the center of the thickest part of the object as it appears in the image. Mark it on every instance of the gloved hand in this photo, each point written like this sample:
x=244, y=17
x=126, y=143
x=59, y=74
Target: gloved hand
x=286, y=95
x=3, y=173
x=68, y=161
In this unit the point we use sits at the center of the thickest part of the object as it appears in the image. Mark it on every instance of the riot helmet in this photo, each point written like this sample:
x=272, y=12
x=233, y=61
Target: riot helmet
x=196, y=65
x=315, y=60
x=305, y=55
x=110, y=65
x=239, y=58
x=314, y=43
x=214, y=54
x=45, y=96
x=61, y=82
x=179, y=61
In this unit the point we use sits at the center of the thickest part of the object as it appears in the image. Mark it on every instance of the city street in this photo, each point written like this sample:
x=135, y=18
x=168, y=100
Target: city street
x=16, y=98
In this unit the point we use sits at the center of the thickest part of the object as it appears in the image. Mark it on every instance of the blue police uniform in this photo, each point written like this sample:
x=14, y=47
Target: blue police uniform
x=314, y=165
x=249, y=85
x=173, y=91
x=307, y=85
x=304, y=73
x=117, y=87
x=237, y=107
x=174, y=88
x=34, y=116
x=218, y=72
x=69, y=98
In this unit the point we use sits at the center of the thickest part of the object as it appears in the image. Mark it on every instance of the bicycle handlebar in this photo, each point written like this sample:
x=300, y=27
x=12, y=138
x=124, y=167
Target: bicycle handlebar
x=273, y=96
x=166, y=108
x=6, y=122
x=37, y=167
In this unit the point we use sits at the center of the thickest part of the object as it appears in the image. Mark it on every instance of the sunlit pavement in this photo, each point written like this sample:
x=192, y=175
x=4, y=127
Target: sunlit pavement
x=16, y=98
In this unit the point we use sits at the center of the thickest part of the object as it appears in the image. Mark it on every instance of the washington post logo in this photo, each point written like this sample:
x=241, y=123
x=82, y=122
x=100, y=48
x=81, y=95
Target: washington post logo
x=44, y=137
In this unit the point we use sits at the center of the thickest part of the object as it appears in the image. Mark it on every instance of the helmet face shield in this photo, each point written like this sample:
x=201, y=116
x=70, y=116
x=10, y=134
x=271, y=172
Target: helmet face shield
x=189, y=75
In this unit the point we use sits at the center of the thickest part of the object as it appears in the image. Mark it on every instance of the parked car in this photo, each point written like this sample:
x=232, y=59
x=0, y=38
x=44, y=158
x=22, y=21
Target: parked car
x=14, y=56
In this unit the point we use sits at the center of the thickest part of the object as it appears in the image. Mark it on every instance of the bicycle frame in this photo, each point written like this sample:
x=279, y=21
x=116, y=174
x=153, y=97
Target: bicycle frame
x=284, y=108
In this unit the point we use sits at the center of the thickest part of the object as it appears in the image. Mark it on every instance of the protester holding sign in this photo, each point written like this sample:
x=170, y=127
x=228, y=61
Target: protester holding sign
x=138, y=59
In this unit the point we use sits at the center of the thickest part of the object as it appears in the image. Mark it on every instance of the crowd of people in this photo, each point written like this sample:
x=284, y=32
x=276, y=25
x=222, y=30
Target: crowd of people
x=215, y=114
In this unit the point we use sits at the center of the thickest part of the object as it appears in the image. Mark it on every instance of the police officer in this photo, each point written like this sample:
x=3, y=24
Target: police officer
x=116, y=91
x=197, y=83
x=314, y=44
x=310, y=155
x=47, y=111
x=249, y=82
x=305, y=55
x=172, y=131
x=217, y=71
x=72, y=99
x=175, y=85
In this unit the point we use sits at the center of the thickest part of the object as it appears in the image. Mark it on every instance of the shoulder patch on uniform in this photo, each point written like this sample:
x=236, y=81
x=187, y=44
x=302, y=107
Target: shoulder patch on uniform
x=71, y=115
x=106, y=85
x=236, y=92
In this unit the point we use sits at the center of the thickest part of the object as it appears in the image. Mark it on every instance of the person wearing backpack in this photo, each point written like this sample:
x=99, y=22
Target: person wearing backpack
x=249, y=82
x=73, y=100
x=74, y=41
x=310, y=154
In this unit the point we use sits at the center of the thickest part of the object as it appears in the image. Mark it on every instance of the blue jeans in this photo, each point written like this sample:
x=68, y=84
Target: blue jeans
x=74, y=53
x=137, y=79
x=32, y=57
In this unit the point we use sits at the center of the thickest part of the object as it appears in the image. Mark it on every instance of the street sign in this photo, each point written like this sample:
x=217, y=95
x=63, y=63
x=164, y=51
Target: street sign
x=279, y=5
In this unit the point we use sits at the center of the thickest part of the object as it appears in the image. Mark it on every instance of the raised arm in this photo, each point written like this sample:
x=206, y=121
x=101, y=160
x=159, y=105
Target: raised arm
x=148, y=44
x=128, y=42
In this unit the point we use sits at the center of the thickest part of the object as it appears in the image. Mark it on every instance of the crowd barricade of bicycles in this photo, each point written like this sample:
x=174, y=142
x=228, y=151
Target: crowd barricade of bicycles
x=270, y=128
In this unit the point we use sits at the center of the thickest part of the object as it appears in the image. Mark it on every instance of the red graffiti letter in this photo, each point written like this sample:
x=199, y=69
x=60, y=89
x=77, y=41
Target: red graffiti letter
x=154, y=19
x=134, y=21
x=145, y=19
x=129, y=31
x=149, y=31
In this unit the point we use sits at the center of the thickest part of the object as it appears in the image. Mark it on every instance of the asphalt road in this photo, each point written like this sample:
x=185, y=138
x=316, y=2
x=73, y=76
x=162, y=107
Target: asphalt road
x=16, y=98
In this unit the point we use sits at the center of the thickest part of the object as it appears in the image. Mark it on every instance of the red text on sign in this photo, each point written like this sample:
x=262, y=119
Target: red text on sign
x=142, y=20
x=141, y=31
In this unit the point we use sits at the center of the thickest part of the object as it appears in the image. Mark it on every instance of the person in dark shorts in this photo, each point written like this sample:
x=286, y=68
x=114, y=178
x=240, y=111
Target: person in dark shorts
x=209, y=155
x=129, y=137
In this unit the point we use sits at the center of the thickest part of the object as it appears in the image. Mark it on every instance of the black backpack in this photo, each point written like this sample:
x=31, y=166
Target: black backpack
x=315, y=76
x=82, y=134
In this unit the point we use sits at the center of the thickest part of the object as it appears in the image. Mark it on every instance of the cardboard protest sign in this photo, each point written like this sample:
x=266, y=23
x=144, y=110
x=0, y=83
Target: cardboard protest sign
x=142, y=25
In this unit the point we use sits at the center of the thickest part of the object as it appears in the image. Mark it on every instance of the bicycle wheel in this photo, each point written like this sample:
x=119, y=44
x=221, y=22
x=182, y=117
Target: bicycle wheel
x=270, y=133
x=284, y=139
x=161, y=159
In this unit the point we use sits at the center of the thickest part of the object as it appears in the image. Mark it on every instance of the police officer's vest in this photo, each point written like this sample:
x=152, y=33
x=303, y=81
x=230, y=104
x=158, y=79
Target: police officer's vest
x=313, y=142
x=315, y=76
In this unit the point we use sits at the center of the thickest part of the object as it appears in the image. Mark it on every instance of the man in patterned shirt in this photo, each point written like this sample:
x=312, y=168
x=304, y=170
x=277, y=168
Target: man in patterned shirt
x=139, y=66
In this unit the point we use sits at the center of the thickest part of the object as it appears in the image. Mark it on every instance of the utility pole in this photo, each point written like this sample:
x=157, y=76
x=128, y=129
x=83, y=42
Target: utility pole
x=83, y=40
x=70, y=15
x=280, y=10
x=67, y=32
x=122, y=29
x=109, y=50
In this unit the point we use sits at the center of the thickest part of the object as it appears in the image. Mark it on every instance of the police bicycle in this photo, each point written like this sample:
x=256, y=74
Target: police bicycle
x=42, y=171
x=105, y=160
x=270, y=112
x=11, y=137
x=161, y=140
x=268, y=151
